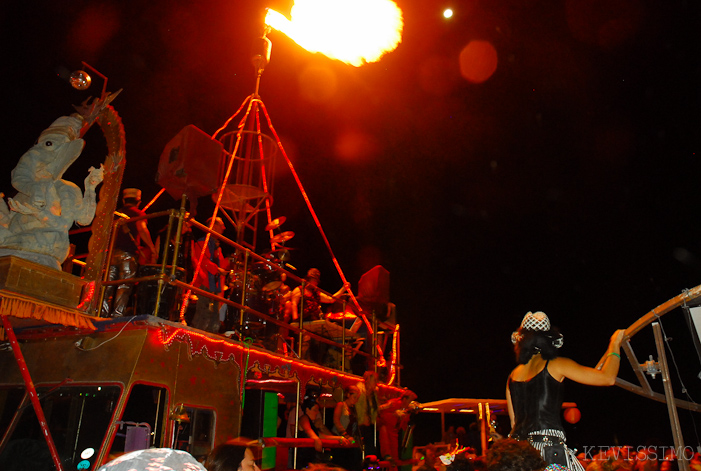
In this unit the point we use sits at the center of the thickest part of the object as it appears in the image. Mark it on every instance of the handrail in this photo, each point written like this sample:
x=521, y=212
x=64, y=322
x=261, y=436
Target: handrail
x=282, y=446
x=306, y=442
x=292, y=327
x=168, y=279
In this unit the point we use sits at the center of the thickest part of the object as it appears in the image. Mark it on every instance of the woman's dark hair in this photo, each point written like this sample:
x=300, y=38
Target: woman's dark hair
x=225, y=457
x=308, y=403
x=512, y=455
x=461, y=463
x=536, y=341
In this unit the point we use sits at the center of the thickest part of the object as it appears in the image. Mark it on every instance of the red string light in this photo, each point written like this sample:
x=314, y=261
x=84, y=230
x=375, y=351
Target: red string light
x=88, y=293
x=381, y=360
x=223, y=349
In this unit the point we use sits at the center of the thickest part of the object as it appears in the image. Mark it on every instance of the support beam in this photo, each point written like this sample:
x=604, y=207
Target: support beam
x=31, y=390
x=669, y=393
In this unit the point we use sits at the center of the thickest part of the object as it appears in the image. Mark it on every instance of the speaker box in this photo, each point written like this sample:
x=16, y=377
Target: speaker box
x=190, y=164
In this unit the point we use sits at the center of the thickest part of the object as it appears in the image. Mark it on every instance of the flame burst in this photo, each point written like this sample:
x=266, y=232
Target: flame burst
x=353, y=31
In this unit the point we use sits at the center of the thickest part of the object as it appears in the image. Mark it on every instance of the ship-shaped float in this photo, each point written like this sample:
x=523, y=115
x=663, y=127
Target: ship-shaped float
x=79, y=386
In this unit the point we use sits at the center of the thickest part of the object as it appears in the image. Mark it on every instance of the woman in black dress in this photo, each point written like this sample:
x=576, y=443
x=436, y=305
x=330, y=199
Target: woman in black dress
x=534, y=388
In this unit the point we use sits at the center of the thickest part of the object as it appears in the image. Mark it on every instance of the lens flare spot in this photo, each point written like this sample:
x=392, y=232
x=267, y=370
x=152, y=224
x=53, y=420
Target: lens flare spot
x=93, y=27
x=478, y=61
x=354, y=145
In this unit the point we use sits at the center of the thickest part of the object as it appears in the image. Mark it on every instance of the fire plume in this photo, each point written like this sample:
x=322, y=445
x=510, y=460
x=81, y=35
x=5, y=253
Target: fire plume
x=353, y=31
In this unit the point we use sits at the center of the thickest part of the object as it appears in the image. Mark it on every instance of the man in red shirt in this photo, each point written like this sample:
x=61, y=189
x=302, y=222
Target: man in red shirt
x=211, y=277
x=394, y=416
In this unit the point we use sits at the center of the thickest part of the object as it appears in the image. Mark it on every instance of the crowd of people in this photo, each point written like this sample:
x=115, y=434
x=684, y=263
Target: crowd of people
x=363, y=423
x=356, y=419
x=367, y=431
x=517, y=455
x=233, y=276
x=505, y=454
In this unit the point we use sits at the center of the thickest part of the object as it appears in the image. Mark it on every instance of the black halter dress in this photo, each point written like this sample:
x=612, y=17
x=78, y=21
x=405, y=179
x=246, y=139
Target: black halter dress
x=537, y=404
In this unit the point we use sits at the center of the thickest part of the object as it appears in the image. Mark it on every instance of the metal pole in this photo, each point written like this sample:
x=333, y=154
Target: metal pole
x=343, y=336
x=483, y=429
x=442, y=423
x=374, y=341
x=669, y=393
x=31, y=390
x=106, y=274
x=301, y=320
x=179, y=236
x=176, y=252
x=296, y=434
x=244, y=292
x=398, y=360
x=161, y=283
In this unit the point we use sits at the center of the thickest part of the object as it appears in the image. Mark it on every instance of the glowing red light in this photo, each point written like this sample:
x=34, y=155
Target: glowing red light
x=88, y=293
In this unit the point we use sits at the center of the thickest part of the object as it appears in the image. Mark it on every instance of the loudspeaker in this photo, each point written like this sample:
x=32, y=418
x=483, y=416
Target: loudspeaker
x=190, y=164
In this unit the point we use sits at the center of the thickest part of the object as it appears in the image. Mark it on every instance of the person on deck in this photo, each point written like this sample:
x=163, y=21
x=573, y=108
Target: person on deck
x=308, y=307
x=166, y=247
x=211, y=277
x=127, y=253
x=534, y=388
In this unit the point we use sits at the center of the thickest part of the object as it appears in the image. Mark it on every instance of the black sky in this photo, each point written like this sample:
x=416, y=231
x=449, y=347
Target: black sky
x=567, y=182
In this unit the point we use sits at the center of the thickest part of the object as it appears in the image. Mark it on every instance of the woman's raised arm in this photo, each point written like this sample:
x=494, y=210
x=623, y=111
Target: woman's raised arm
x=561, y=367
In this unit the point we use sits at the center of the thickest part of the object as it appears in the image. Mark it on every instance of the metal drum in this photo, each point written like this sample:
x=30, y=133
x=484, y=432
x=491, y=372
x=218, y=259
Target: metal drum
x=269, y=282
x=250, y=297
x=266, y=272
x=147, y=292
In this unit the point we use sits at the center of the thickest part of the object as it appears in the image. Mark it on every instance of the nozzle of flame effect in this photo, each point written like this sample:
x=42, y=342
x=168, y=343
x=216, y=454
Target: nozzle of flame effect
x=261, y=53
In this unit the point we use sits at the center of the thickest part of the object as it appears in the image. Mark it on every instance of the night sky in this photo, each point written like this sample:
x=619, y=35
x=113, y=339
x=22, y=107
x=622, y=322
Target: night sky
x=566, y=182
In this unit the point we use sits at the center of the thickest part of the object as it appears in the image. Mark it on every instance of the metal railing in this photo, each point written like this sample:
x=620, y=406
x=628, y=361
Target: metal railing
x=168, y=272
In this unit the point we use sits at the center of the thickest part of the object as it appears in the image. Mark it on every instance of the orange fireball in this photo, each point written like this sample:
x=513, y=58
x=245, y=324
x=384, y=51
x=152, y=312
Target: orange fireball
x=353, y=31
